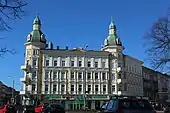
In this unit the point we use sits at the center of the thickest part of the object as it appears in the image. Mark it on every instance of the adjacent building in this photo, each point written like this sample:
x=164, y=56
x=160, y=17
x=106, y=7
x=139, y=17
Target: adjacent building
x=6, y=94
x=150, y=83
x=78, y=77
x=162, y=86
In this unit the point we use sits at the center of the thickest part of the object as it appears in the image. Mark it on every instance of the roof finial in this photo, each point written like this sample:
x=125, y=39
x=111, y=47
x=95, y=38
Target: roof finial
x=37, y=14
x=111, y=26
x=112, y=19
x=37, y=20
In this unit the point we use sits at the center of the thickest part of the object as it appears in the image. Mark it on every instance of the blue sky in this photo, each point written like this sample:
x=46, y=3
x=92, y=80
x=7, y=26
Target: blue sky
x=75, y=23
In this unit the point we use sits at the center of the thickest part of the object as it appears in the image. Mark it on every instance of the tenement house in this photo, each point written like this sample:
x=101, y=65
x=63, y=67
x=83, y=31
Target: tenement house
x=79, y=77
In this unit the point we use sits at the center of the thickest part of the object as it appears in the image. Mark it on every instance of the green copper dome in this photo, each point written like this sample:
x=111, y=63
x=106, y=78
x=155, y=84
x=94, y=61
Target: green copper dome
x=36, y=35
x=37, y=20
x=112, y=39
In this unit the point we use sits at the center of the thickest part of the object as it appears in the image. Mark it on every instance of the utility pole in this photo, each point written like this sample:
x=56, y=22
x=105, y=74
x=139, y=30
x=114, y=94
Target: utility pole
x=85, y=73
x=13, y=82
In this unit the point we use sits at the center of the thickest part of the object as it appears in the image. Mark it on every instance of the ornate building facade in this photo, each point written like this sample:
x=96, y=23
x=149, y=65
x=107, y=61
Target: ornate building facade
x=79, y=77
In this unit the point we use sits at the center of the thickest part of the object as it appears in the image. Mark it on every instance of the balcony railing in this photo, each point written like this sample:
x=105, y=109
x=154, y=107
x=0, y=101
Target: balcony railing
x=26, y=68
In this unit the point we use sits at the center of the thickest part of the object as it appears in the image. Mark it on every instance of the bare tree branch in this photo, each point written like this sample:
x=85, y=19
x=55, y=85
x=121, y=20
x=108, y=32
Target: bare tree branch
x=10, y=10
x=158, y=43
x=3, y=51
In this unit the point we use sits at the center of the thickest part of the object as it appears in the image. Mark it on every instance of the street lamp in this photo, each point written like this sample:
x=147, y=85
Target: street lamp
x=13, y=82
x=85, y=65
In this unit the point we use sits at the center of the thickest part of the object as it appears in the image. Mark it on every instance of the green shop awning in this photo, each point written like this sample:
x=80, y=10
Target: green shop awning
x=100, y=96
x=52, y=96
x=78, y=102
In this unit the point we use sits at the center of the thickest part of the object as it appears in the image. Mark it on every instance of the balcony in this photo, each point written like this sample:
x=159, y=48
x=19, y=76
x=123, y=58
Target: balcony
x=22, y=92
x=119, y=81
x=23, y=79
x=119, y=92
x=26, y=68
x=26, y=81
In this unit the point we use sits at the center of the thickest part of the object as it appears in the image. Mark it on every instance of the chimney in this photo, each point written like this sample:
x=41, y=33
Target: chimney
x=58, y=47
x=66, y=47
x=50, y=45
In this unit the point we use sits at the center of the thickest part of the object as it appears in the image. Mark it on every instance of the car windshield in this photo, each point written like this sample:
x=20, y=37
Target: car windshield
x=110, y=104
x=135, y=104
x=105, y=105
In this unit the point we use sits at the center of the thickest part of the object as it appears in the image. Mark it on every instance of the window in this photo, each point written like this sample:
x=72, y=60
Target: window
x=27, y=62
x=113, y=88
x=55, y=62
x=27, y=72
x=119, y=64
x=46, y=75
x=72, y=63
x=103, y=76
x=96, y=75
x=96, y=88
x=104, y=88
x=46, y=88
x=63, y=63
x=80, y=75
x=54, y=88
x=89, y=64
x=89, y=76
x=96, y=64
x=72, y=88
x=47, y=63
x=103, y=64
x=72, y=75
x=120, y=88
x=54, y=75
x=28, y=52
x=35, y=52
x=34, y=62
x=124, y=75
x=62, y=88
x=80, y=63
x=62, y=75
x=120, y=76
x=89, y=88
x=34, y=74
x=80, y=88
x=33, y=87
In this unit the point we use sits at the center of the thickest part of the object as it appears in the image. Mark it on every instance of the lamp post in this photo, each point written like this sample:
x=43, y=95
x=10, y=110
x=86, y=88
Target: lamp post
x=85, y=65
x=13, y=82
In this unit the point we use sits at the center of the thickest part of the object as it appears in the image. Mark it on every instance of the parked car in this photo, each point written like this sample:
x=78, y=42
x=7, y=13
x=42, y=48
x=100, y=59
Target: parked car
x=56, y=109
x=122, y=104
x=11, y=109
x=3, y=108
x=39, y=109
x=29, y=109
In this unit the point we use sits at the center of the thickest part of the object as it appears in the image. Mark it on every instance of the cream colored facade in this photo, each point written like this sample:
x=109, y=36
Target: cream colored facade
x=77, y=71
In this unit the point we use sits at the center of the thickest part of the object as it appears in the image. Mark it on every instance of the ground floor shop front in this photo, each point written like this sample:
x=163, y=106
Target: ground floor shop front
x=76, y=102
x=79, y=105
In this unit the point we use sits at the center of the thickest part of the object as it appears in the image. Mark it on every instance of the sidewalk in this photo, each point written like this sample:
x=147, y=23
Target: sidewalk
x=159, y=111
